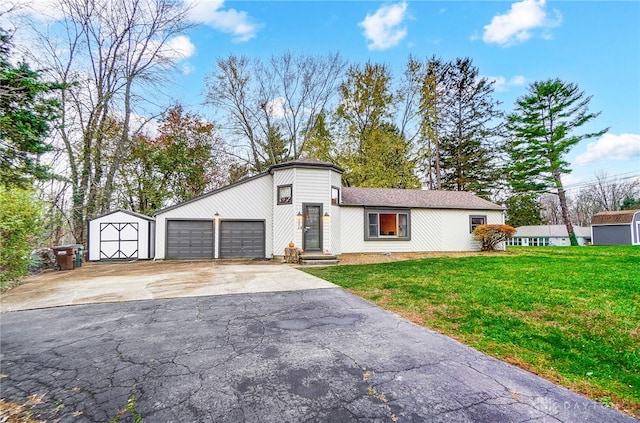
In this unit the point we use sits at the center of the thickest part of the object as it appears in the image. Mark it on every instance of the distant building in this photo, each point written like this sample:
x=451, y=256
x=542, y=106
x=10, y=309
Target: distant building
x=551, y=235
x=616, y=228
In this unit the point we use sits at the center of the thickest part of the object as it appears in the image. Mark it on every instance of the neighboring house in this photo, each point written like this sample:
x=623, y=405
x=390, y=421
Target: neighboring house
x=616, y=228
x=121, y=234
x=552, y=235
x=303, y=201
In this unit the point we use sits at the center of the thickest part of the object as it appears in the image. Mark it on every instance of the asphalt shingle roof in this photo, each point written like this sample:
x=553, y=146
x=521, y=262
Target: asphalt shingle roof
x=413, y=198
x=552, y=231
x=614, y=217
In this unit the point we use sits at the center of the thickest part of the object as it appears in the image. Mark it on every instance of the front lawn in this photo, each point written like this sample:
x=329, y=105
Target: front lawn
x=569, y=314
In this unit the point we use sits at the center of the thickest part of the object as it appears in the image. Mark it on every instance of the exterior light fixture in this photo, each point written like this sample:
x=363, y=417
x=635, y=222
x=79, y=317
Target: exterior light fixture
x=216, y=216
x=326, y=214
x=299, y=220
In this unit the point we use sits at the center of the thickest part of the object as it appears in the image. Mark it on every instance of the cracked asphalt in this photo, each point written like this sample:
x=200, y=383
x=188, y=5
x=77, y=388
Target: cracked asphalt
x=319, y=355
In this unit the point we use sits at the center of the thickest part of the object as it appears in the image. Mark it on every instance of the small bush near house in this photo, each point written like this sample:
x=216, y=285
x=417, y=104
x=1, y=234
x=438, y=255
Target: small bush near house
x=492, y=235
x=20, y=224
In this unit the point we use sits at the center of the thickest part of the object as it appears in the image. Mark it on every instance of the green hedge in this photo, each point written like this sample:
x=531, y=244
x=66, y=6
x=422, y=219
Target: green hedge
x=20, y=224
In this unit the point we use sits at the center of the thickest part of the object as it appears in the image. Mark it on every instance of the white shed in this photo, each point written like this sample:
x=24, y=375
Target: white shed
x=121, y=235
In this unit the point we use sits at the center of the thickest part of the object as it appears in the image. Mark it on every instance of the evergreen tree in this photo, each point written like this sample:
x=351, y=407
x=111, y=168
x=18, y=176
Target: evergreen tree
x=523, y=210
x=26, y=114
x=542, y=133
x=470, y=128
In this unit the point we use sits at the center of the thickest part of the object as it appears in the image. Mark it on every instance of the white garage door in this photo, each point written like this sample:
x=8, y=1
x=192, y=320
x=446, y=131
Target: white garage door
x=242, y=239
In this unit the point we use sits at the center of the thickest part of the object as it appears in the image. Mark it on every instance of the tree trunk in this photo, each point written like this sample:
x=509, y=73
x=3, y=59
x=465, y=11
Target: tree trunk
x=565, y=210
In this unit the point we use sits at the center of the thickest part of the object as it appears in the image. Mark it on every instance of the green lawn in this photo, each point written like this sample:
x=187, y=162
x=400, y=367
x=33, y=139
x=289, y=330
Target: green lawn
x=570, y=314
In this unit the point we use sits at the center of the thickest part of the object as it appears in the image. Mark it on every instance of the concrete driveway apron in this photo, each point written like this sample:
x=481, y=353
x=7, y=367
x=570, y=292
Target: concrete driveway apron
x=317, y=355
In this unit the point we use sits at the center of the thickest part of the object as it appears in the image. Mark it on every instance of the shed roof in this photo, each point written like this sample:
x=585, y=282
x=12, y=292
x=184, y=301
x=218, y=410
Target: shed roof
x=413, y=198
x=129, y=212
x=614, y=217
x=551, y=231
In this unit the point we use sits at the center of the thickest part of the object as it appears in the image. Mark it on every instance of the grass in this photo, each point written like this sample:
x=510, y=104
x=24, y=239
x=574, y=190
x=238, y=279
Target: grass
x=569, y=314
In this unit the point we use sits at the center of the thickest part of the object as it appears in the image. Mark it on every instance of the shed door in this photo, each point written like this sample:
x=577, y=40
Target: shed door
x=190, y=239
x=242, y=239
x=119, y=240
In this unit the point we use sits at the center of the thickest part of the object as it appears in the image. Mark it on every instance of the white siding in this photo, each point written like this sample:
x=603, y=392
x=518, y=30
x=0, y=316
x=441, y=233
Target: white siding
x=248, y=200
x=313, y=185
x=284, y=215
x=431, y=230
x=335, y=218
x=145, y=234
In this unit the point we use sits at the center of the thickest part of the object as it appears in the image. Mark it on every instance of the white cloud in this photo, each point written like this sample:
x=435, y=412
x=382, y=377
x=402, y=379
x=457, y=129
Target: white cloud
x=179, y=47
x=611, y=147
x=516, y=26
x=500, y=83
x=230, y=21
x=383, y=29
x=275, y=108
x=569, y=180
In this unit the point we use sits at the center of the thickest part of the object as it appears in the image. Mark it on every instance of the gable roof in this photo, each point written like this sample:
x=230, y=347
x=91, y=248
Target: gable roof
x=414, y=198
x=129, y=212
x=207, y=194
x=614, y=217
x=551, y=231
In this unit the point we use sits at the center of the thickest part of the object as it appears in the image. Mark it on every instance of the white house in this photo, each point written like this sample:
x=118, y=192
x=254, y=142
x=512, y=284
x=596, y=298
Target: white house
x=121, y=234
x=554, y=235
x=303, y=201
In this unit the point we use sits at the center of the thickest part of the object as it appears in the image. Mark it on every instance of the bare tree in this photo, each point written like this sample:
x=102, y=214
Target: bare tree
x=111, y=54
x=272, y=106
x=551, y=210
x=605, y=194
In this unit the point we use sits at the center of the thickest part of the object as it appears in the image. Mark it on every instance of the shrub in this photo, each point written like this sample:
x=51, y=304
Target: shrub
x=492, y=235
x=20, y=224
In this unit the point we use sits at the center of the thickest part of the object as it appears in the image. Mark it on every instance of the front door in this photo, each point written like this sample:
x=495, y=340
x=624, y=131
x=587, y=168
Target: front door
x=312, y=229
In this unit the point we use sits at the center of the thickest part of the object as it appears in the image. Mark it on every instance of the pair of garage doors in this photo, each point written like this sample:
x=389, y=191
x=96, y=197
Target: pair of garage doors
x=195, y=239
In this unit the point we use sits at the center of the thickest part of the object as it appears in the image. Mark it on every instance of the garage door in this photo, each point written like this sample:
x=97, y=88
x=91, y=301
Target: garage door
x=119, y=240
x=190, y=239
x=242, y=239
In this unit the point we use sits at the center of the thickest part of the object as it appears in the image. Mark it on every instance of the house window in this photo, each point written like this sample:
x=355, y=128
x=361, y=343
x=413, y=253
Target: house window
x=285, y=194
x=514, y=241
x=475, y=221
x=335, y=196
x=387, y=225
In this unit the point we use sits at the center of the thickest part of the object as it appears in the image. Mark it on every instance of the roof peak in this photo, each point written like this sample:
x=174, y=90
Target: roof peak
x=304, y=162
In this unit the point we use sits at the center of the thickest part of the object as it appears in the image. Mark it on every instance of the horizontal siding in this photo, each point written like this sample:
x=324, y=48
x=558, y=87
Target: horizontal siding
x=431, y=230
x=250, y=200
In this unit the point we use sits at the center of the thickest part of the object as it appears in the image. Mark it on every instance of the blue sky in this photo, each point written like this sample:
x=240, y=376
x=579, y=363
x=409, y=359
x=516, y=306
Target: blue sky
x=594, y=44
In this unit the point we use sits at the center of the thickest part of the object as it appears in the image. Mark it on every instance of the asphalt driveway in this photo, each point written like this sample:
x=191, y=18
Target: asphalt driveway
x=320, y=355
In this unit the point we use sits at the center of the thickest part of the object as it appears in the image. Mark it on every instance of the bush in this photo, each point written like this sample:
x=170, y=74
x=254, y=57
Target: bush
x=20, y=224
x=492, y=235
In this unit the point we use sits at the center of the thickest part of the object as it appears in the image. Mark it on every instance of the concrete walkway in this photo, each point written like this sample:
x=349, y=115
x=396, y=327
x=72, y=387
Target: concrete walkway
x=319, y=355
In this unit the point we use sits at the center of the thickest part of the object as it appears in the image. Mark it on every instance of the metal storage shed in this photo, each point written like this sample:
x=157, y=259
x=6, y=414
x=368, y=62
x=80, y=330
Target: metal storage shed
x=616, y=228
x=121, y=235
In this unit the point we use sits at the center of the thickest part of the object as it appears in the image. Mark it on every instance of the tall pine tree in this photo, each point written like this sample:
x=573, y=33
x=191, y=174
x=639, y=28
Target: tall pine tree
x=542, y=131
x=470, y=125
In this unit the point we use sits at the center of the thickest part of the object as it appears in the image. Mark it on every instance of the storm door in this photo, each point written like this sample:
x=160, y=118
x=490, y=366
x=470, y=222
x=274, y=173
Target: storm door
x=312, y=229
